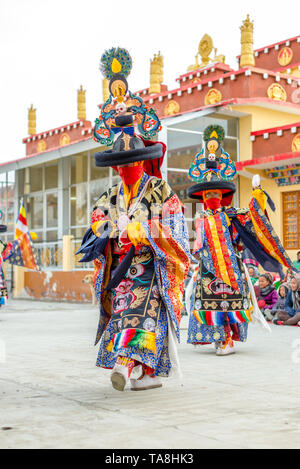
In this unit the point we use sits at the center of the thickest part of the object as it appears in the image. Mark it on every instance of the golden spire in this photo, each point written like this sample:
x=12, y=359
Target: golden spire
x=31, y=121
x=81, y=110
x=105, y=89
x=247, y=54
x=156, y=73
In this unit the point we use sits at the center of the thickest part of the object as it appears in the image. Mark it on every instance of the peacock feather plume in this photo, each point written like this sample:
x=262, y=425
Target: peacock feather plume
x=214, y=131
x=115, y=61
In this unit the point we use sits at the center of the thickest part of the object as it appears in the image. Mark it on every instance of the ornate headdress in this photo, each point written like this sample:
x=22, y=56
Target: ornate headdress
x=125, y=122
x=212, y=168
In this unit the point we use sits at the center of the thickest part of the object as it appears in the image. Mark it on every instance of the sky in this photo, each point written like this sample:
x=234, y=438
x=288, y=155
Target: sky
x=49, y=48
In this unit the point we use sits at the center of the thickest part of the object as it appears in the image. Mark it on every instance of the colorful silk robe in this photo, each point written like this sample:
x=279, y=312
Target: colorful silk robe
x=221, y=296
x=137, y=315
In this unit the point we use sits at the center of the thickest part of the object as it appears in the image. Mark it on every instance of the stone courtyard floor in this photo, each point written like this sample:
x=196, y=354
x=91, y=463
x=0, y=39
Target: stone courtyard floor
x=52, y=395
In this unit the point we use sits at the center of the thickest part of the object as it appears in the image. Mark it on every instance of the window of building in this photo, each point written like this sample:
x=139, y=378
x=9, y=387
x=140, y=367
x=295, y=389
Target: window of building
x=7, y=201
x=38, y=187
x=291, y=220
x=35, y=179
x=51, y=175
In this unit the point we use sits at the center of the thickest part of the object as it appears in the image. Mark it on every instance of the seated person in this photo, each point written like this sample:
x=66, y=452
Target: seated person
x=291, y=315
x=282, y=290
x=253, y=274
x=297, y=262
x=267, y=295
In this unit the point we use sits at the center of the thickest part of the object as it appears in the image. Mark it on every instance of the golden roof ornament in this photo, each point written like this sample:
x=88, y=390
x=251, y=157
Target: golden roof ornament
x=105, y=89
x=81, y=109
x=156, y=73
x=31, y=121
x=247, y=53
x=205, y=48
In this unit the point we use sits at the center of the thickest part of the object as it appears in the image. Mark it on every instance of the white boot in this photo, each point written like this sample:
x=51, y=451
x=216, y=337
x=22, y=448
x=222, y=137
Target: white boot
x=119, y=377
x=227, y=348
x=124, y=368
x=145, y=383
x=218, y=344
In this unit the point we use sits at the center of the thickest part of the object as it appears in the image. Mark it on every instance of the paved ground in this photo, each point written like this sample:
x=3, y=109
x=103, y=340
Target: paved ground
x=52, y=395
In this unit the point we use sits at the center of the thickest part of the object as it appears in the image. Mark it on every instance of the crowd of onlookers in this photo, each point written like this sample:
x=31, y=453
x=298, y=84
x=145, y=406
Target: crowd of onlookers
x=278, y=298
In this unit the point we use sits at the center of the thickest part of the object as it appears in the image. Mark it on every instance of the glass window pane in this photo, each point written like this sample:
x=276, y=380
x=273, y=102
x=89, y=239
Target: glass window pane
x=180, y=183
x=96, y=171
x=21, y=181
x=11, y=218
x=51, y=235
x=182, y=148
x=51, y=175
x=34, y=211
x=3, y=198
x=97, y=188
x=200, y=123
x=230, y=146
x=11, y=176
x=79, y=165
x=40, y=236
x=78, y=233
x=36, y=178
x=78, y=201
x=51, y=202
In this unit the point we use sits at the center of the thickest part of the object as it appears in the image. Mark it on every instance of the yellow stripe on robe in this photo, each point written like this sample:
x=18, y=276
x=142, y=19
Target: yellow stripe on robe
x=264, y=241
x=218, y=249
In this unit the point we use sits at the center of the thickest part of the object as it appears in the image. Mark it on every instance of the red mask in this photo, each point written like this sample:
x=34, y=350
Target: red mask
x=130, y=174
x=213, y=204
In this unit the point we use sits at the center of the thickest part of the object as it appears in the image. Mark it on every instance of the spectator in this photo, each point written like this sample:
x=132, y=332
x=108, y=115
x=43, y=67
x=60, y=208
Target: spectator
x=253, y=274
x=282, y=290
x=288, y=277
x=267, y=295
x=291, y=315
x=297, y=262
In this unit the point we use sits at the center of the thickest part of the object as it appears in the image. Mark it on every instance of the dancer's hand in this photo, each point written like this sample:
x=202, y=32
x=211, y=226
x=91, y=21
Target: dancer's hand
x=98, y=227
x=137, y=234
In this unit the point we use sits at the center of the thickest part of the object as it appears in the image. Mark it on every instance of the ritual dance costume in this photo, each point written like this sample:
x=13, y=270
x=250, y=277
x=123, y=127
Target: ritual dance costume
x=223, y=301
x=138, y=241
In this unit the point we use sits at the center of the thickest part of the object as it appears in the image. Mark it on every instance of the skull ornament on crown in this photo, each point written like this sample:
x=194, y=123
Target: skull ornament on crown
x=125, y=122
x=212, y=168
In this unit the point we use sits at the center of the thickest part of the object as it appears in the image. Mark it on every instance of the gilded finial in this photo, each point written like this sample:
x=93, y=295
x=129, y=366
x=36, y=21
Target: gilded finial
x=81, y=109
x=156, y=73
x=31, y=121
x=205, y=48
x=105, y=89
x=247, y=53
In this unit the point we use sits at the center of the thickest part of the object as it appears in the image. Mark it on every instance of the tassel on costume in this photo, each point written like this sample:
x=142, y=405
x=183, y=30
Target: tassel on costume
x=133, y=338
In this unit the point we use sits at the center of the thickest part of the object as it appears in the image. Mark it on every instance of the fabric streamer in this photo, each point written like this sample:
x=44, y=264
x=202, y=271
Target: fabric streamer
x=256, y=313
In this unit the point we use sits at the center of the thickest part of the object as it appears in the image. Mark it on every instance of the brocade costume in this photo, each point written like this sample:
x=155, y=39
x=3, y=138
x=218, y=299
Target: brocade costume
x=137, y=239
x=224, y=301
x=138, y=316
